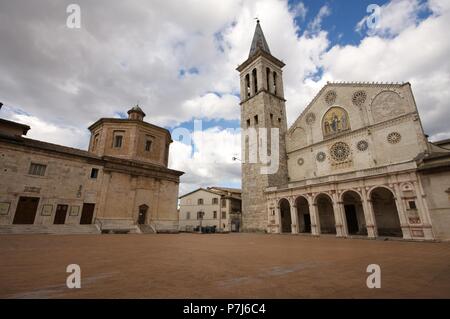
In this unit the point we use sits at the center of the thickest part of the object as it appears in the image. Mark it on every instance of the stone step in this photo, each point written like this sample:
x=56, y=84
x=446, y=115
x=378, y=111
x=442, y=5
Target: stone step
x=147, y=229
x=49, y=229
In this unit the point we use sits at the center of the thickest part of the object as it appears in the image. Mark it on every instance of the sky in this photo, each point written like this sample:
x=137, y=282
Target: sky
x=177, y=59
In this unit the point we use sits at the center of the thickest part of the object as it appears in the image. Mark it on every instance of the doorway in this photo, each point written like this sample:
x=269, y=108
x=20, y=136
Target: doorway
x=303, y=217
x=285, y=212
x=307, y=223
x=60, y=215
x=87, y=214
x=26, y=210
x=142, y=217
x=352, y=220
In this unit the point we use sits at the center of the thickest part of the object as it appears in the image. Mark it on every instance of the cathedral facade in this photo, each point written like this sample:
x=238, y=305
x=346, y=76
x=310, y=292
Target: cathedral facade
x=356, y=162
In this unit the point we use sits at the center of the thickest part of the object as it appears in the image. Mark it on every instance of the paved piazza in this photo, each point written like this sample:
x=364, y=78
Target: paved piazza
x=220, y=266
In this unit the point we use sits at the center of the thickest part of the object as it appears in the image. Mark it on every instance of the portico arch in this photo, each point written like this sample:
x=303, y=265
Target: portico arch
x=354, y=213
x=385, y=211
x=285, y=216
x=303, y=215
x=325, y=210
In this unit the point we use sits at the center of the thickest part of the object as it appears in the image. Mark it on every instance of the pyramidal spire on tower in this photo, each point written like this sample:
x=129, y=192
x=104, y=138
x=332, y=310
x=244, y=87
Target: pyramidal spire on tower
x=259, y=41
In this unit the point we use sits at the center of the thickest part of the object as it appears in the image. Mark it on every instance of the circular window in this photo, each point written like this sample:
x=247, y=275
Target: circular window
x=359, y=97
x=310, y=118
x=330, y=97
x=362, y=145
x=300, y=161
x=340, y=151
x=320, y=157
x=394, y=137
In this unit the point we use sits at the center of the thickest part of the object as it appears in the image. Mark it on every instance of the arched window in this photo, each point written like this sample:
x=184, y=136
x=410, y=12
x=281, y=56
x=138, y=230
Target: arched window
x=255, y=81
x=334, y=121
x=247, y=85
x=274, y=82
x=268, y=79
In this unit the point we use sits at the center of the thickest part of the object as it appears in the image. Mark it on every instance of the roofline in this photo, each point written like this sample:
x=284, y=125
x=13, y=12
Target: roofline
x=199, y=189
x=65, y=150
x=25, y=128
x=116, y=120
x=260, y=53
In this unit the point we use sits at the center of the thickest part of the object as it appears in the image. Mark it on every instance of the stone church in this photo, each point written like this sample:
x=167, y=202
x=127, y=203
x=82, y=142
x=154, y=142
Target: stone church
x=356, y=162
x=120, y=184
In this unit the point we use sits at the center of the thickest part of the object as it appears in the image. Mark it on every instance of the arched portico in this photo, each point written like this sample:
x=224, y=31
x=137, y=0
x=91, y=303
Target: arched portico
x=325, y=212
x=303, y=215
x=385, y=210
x=354, y=213
x=285, y=215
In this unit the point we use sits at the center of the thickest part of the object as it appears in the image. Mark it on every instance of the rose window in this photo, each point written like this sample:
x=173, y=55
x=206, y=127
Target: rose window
x=340, y=151
x=394, y=137
x=359, y=97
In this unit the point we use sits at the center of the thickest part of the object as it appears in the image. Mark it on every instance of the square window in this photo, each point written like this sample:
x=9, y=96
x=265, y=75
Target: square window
x=148, y=145
x=200, y=201
x=412, y=204
x=215, y=201
x=94, y=173
x=215, y=215
x=37, y=169
x=118, y=141
x=224, y=215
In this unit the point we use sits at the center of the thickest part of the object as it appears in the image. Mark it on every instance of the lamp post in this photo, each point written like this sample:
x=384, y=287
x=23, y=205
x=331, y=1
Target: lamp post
x=201, y=220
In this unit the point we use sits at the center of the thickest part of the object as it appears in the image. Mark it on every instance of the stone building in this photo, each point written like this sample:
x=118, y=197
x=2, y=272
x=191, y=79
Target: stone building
x=356, y=162
x=212, y=206
x=120, y=184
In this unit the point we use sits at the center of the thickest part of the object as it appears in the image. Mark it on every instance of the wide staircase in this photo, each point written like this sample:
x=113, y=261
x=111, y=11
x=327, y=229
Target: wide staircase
x=50, y=229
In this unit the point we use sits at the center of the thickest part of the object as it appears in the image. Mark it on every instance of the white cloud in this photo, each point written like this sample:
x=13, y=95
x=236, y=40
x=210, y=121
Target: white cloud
x=418, y=54
x=394, y=17
x=179, y=63
x=299, y=10
x=208, y=159
x=316, y=23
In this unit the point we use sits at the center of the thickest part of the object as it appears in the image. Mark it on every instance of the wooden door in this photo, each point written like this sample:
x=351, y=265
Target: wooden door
x=87, y=214
x=26, y=210
x=60, y=215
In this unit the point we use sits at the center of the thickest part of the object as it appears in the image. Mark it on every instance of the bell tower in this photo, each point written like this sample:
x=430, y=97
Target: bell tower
x=263, y=112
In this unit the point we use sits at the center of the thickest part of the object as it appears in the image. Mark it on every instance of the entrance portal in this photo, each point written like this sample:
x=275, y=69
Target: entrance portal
x=142, y=214
x=26, y=210
x=60, y=215
x=87, y=214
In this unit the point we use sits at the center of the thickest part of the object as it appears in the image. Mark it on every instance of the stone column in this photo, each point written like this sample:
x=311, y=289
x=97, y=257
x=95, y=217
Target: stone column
x=424, y=212
x=315, y=222
x=401, y=213
x=294, y=219
x=278, y=219
x=340, y=214
x=369, y=215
